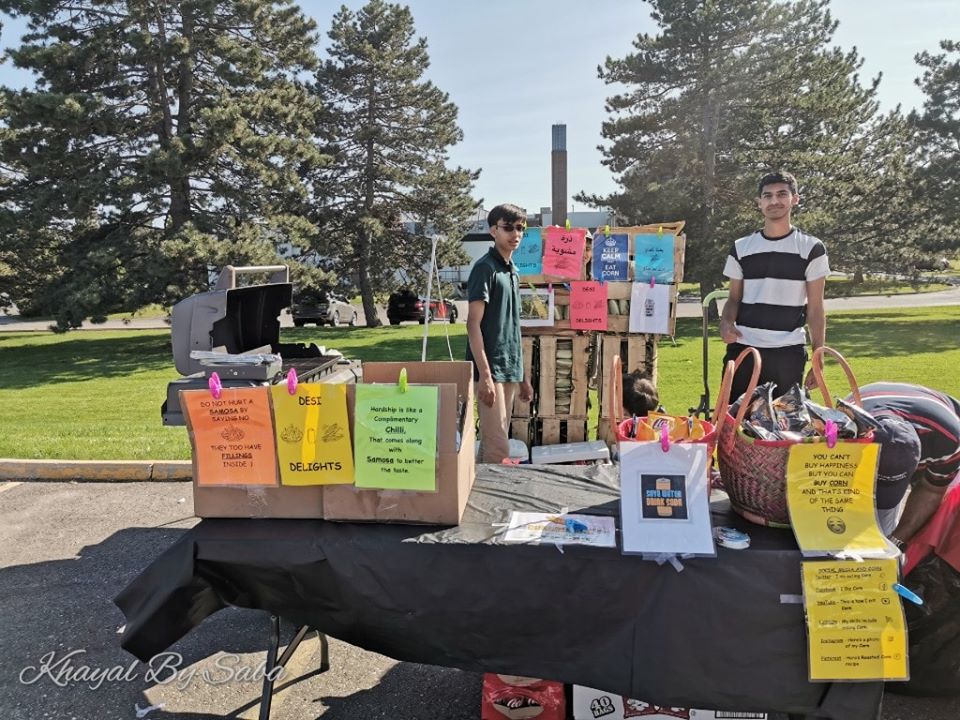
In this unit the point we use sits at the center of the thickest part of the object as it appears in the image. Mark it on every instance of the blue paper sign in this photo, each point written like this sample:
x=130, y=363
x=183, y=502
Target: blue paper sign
x=529, y=256
x=653, y=257
x=610, y=257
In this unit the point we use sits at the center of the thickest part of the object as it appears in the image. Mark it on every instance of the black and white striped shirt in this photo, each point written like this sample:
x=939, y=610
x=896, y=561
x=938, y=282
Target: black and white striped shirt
x=775, y=272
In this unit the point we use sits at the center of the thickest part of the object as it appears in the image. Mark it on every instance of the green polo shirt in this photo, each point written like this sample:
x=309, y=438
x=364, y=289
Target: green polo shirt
x=496, y=282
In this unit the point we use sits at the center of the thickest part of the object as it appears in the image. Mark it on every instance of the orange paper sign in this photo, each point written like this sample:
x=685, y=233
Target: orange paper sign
x=588, y=305
x=563, y=251
x=232, y=437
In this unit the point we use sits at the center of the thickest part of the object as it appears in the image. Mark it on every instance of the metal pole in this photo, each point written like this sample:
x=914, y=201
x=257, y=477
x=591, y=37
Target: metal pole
x=426, y=309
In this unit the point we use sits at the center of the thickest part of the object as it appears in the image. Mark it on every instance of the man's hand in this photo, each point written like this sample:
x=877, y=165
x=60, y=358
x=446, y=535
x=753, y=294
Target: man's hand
x=810, y=381
x=526, y=391
x=486, y=391
x=728, y=332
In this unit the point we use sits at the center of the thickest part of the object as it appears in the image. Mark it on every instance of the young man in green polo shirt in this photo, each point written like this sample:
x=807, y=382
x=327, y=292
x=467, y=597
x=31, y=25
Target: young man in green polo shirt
x=493, y=332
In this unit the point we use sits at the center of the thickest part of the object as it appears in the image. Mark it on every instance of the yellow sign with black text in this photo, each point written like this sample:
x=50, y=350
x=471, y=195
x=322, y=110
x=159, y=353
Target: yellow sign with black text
x=830, y=495
x=855, y=622
x=313, y=434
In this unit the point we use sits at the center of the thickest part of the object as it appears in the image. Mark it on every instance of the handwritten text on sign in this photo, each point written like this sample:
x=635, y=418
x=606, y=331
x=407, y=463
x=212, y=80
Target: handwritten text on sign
x=395, y=437
x=588, y=305
x=563, y=252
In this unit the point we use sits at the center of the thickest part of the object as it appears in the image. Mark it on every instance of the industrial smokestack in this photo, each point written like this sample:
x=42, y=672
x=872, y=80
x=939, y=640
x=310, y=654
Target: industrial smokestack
x=558, y=174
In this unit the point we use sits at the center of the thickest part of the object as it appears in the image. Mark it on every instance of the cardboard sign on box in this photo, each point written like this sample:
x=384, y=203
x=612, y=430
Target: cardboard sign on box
x=456, y=469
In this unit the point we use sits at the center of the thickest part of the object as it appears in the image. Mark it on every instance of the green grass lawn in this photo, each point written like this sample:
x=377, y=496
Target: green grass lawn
x=97, y=394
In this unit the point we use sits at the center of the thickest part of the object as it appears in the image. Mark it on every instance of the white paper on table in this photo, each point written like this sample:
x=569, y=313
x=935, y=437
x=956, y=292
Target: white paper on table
x=665, y=499
x=650, y=309
x=549, y=528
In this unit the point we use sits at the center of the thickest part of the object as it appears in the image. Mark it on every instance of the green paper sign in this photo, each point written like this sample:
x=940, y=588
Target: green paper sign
x=395, y=437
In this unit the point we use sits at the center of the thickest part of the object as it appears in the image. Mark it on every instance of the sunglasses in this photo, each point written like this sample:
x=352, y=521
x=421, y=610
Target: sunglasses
x=519, y=227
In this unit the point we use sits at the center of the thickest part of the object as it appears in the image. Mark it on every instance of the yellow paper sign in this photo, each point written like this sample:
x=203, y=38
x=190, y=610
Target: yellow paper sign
x=395, y=431
x=855, y=623
x=830, y=495
x=232, y=436
x=313, y=434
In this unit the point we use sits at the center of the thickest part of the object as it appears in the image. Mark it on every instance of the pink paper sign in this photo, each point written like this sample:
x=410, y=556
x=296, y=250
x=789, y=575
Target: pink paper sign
x=588, y=305
x=563, y=251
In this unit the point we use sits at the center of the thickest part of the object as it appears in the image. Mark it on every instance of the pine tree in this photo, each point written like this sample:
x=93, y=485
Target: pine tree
x=938, y=125
x=389, y=188
x=723, y=94
x=162, y=140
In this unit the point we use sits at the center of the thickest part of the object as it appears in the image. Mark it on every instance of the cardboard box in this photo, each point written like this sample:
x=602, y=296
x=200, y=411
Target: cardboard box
x=456, y=468
x=272, y=501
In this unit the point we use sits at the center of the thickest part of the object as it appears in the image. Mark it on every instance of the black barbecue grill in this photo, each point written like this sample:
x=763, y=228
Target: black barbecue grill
x=236, y=331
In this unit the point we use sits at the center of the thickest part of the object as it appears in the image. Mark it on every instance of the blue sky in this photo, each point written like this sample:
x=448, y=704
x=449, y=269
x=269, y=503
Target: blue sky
x=515, y=67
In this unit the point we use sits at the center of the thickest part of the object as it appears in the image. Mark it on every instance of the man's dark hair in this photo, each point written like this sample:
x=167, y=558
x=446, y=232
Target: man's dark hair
x=508, y=212
x=776, y=178
x=639, y=394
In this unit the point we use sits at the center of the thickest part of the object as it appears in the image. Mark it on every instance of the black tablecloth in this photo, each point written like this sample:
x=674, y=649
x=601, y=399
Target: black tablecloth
x=724, y=633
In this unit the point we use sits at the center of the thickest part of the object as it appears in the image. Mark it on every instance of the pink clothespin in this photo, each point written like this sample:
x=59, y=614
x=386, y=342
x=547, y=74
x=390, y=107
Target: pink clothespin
x=549, y=287
x=664, y=438
x=653, y=280
x=292, y=381
x=216, y=387
x=830, y=432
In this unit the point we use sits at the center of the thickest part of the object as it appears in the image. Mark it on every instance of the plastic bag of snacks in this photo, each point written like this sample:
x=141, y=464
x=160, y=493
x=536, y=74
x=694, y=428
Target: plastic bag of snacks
x=517, y=697
x=755, y=436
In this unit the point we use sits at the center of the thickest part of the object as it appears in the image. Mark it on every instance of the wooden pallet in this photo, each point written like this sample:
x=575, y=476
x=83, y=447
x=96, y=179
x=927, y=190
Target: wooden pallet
x=618, y=307
x=549, y=374
x=522, y=429
x=635, y=351
x=522, y=408
x=556, y=430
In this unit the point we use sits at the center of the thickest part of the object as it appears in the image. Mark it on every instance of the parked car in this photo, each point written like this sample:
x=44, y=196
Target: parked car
x=322, y=307
x=406, y=305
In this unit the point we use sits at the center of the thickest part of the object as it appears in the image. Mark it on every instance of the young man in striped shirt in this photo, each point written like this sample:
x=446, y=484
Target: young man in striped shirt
x=777, y=275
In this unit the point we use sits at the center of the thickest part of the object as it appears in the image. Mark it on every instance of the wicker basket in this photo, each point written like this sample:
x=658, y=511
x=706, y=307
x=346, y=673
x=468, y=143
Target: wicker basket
x=753, y=471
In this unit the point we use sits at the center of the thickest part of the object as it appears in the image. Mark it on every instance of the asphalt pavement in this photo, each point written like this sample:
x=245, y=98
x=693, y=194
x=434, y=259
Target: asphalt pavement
x=67, y=548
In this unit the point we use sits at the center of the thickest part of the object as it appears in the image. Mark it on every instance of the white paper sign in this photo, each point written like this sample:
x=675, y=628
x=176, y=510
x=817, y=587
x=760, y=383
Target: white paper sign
x=650, y=309
x=556, y=529
x=589, y=704
x=665, y=499
x=536, y=307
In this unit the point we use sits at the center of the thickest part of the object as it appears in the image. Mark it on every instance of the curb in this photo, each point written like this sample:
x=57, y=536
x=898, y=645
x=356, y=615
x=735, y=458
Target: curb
x=95, y=470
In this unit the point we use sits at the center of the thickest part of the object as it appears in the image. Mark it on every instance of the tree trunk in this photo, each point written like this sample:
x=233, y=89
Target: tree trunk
x=365, y=241
x=366, y=295
x=180, y=184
